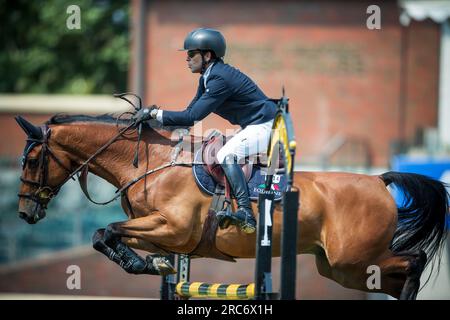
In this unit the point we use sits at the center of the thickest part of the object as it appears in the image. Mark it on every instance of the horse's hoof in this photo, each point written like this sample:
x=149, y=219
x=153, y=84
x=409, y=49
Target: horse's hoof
x=163, y=266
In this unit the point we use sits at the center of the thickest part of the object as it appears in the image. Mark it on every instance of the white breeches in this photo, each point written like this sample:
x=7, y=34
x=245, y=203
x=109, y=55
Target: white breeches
x=250, y=141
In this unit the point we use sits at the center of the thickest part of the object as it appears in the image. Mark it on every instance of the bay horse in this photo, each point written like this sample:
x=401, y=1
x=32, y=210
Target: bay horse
x=348, y=221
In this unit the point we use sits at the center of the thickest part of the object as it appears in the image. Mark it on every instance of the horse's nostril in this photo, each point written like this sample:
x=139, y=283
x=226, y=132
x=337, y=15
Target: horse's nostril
x=22, y=215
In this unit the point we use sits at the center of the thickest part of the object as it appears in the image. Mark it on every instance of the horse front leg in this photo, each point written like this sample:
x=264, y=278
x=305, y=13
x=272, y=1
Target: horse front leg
x=126, y=258
x=109, y=242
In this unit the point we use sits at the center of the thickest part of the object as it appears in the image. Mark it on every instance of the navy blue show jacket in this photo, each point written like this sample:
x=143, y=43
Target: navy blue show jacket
x=228, y=93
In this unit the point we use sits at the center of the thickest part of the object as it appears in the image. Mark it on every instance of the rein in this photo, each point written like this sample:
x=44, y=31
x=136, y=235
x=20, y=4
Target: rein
x=45, y=193
x=121, y=191
x=83, y=181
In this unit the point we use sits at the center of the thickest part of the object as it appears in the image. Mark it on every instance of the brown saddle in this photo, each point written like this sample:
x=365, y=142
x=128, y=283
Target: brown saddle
x=212, y=166
x=211, y=147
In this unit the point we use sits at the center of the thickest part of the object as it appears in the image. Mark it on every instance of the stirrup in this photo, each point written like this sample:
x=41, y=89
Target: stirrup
x=225, y=216
x=247, y=225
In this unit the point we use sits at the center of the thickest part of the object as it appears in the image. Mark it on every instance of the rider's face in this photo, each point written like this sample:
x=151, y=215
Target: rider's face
x=194, y=60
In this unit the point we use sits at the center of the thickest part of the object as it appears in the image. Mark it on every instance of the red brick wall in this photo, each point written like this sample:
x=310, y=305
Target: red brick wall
x=423, y=77
x=340, y=76
x=13, y=141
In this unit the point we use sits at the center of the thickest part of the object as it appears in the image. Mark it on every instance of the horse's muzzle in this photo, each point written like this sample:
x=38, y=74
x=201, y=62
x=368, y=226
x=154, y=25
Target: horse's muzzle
x=38, y=214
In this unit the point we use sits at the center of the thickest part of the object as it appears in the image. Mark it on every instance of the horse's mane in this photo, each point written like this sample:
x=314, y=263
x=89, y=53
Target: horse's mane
x=66, y=118
x=109, y=118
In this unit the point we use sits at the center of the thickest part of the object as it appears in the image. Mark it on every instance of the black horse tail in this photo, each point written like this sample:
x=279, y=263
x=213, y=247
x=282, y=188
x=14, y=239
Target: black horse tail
x=422, y=221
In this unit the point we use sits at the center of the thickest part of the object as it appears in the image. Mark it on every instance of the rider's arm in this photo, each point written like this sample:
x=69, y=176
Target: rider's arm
x=215, y=94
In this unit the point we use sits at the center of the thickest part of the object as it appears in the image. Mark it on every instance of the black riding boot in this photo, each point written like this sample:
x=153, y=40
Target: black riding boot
x=236, y=179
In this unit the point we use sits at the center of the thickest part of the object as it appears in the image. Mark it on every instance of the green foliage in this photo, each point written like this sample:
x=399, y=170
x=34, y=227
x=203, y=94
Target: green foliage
x=40, y=54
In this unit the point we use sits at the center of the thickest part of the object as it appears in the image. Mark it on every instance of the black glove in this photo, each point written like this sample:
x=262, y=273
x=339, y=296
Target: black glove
x=145, y=114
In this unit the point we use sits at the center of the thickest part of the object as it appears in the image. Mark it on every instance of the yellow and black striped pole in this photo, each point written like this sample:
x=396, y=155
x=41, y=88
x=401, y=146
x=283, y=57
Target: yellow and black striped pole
x=215, y=290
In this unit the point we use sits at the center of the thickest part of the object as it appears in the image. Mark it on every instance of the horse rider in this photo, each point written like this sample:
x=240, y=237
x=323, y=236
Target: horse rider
x=228, y=92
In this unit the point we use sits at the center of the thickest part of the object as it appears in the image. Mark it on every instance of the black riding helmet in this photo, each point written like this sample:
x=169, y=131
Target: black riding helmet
x=206, y=39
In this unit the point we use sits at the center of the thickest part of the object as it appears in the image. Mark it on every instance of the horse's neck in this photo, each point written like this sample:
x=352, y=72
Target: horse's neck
x=114, y=164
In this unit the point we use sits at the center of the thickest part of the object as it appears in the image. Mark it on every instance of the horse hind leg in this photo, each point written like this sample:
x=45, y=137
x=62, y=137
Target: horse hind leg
x=401, y=274
x=412, y=283
x=322, y=264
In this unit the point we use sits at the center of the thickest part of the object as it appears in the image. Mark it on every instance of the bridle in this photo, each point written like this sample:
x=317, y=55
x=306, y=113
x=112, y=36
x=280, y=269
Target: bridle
x=45, y=193
x=42, y=196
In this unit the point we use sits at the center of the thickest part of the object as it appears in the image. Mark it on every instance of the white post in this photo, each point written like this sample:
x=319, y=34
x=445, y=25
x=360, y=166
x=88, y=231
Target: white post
x=444, y=86
x=265, y=242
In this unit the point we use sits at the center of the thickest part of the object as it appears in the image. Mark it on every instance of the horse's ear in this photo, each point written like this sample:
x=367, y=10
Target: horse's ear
x=31, y=130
